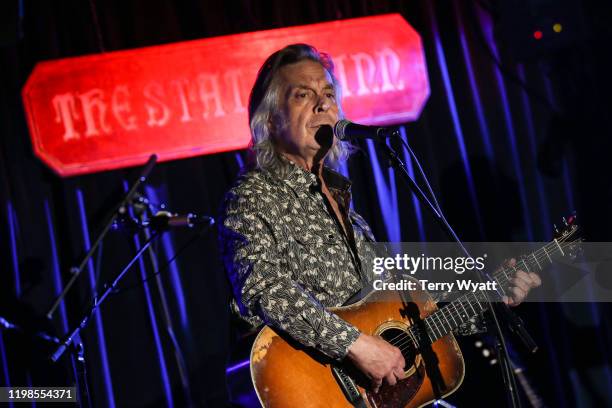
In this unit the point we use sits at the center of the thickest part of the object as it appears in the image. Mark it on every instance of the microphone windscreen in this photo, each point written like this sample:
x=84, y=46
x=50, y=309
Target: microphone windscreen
x=339, y=129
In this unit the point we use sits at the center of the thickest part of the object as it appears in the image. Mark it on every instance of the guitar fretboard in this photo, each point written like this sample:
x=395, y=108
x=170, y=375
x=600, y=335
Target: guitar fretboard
x=471, y=304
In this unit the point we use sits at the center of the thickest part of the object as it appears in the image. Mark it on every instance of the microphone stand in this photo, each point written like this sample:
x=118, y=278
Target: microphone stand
x=120, y=208
x=515, y=323
x=76, y=348
x=142, y=211
x=74, y=335
x=74, y=339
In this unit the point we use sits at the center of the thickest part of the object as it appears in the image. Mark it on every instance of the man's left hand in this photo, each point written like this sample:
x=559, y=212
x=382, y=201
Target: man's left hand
x=522, y=283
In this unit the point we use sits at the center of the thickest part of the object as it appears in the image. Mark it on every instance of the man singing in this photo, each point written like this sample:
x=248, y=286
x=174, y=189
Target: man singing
x=291, y=244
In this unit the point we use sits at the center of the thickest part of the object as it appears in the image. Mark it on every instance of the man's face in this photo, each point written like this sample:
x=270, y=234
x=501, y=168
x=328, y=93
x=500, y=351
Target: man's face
x=307, y=101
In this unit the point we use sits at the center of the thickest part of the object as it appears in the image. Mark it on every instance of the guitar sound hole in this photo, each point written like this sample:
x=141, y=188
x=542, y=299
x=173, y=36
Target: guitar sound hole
x=402, y=340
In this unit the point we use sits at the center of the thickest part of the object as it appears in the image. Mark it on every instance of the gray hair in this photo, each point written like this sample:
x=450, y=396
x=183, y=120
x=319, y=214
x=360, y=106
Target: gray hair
x=264, y=109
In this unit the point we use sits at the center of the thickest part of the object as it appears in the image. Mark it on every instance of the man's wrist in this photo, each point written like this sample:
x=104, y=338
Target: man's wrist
x=354, y=336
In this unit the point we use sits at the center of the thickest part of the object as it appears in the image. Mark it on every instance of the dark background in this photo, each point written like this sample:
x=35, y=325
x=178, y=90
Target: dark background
x=532, y=119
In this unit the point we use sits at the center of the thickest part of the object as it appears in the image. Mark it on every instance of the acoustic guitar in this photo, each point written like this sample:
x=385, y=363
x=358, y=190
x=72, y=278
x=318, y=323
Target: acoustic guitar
x=288, y=375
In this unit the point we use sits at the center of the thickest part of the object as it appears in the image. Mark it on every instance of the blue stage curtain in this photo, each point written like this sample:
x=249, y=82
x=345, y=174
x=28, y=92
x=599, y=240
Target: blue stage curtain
x=509, y=147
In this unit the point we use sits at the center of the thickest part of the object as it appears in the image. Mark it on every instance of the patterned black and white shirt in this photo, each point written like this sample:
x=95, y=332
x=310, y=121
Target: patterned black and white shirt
x=288, y=257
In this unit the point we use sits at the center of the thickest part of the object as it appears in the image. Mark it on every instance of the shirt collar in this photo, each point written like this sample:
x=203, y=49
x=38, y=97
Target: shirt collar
x=301, y=180
x=335, y=180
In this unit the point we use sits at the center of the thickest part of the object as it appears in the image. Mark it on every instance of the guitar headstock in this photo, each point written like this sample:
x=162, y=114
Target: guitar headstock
x=569, y=236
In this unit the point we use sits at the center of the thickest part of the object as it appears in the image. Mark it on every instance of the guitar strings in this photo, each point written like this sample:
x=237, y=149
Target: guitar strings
x=431, y=319
x=405, y=339
x=501, y=276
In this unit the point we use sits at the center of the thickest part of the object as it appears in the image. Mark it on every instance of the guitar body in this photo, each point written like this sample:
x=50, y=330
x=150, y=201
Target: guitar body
x=286, y=375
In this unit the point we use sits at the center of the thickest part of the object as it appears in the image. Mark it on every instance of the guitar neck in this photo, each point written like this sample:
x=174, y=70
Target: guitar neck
x=471, y=304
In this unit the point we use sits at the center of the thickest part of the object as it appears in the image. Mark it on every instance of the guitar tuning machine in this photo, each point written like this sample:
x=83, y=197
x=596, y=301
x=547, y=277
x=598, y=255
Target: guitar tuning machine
x=565, y=221
x=556, y=229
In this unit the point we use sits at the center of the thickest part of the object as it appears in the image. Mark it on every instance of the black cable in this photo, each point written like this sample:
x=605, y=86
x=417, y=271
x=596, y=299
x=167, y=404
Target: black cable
x=96, y=24
x=423, y=176
x=98, y=266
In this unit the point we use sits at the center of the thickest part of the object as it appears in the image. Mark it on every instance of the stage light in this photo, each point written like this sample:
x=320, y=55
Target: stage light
x=537, y=35
x=237, y=366
x=557, y=27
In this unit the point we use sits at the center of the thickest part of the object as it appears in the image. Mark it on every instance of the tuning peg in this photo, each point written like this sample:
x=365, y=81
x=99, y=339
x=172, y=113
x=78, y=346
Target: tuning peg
x=556, y=229
x=564, y=221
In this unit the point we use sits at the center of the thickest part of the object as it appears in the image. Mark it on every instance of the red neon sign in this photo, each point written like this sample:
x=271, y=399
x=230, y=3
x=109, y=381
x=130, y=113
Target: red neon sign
x=112, y=110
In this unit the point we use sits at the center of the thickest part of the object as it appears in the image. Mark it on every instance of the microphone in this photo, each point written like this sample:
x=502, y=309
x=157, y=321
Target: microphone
x=164, y=220
x=346, y=130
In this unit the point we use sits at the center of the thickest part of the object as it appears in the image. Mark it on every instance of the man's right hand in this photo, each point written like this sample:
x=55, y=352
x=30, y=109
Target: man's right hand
x=378, y=360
